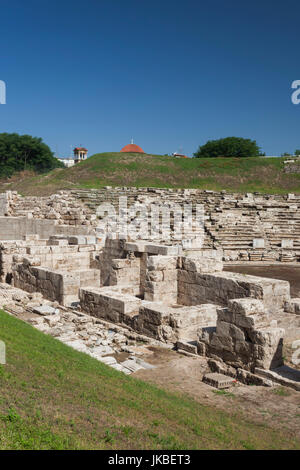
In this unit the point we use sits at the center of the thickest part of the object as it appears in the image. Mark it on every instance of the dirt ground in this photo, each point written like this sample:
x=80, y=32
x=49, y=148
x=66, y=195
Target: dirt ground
x=278, y=407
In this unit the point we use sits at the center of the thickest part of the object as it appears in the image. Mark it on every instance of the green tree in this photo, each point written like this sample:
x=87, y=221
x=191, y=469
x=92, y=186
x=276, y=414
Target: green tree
x=24, y=152
x=229, y=147
x=297, y=152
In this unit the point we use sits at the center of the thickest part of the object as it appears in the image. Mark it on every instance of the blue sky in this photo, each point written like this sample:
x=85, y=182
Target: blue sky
x=171, y=74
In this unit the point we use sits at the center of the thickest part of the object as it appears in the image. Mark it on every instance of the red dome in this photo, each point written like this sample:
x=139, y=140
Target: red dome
x=132, y=148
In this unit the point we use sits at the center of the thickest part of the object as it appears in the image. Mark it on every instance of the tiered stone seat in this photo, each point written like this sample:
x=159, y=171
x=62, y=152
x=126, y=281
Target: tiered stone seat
x=232, y=220
x=282, y=225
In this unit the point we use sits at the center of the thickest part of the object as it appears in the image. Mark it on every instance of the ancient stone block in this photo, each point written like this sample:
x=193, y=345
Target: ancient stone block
x=219, y=381
x=258, y=243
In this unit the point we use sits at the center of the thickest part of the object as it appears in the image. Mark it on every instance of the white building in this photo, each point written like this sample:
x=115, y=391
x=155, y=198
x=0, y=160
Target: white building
x=68, y=162
x=80, y=154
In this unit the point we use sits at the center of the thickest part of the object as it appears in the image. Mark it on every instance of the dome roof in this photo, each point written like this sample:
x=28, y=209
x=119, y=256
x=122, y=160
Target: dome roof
x=132, y=148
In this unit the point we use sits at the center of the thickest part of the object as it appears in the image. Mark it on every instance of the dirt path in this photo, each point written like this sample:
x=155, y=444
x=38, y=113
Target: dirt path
x=279, y=407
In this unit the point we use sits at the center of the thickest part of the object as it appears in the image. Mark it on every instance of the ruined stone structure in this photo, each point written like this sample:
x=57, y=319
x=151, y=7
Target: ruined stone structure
x=173, y=293
x=248, y=227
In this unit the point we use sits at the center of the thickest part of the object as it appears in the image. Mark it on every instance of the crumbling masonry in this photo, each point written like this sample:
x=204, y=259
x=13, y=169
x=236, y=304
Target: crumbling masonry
x=173, y=291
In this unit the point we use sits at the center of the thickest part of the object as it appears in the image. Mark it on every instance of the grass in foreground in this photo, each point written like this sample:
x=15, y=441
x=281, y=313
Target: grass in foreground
x=52, y=397
x=264, y=175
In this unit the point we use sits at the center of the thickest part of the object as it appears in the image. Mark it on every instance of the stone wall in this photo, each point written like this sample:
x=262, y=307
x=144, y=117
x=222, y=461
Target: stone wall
x=113, y=249
x=126, y=272
x=57, y=267
x=292, y=167
x=60, y=286
x=196, y=288
x=233, y=222
x=17, y=228
x=173, y=323
x=154, y=319
x=161, y=279
x=65, y=257
x=244, y=337
x=111, y=304
x=157, y=290
x=4, y=204
x=62, y=207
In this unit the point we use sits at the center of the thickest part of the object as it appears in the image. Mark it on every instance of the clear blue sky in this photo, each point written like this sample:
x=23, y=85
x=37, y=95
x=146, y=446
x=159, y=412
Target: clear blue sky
x=169, y=73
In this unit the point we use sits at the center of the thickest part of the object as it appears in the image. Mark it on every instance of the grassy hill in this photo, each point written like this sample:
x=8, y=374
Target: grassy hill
x=121, y=169
x=53, y=397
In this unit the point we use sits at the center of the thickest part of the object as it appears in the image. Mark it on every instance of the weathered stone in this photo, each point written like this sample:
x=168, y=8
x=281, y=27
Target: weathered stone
x=219, y=381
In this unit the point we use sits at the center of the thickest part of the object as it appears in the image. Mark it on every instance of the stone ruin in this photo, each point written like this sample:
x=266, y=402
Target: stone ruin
x=56, y=255
x=247, y=227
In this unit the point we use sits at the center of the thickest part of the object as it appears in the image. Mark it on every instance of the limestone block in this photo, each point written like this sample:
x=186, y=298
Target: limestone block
x=59, y=242
x=154, y=312
x=219, y=381
x=155, y=276
x=37, y=250
x=86, y=248
x=287, y=243
x=247, y=306
x=159, y=287
x=77, y=240
x=244, y=349
x=135, y=247
x=160, y=263
x=162, y=250
x=224, y=314
x=187, y=277
x=189, y=347
x=205, y=334
x=248, y=378
x=44, y=310
x=258, y=243
x=293, y=306
x=169, y=276
x=229, y=330
x=127, y=304
x=221, y=343
x=90, y=240
x=201, y=264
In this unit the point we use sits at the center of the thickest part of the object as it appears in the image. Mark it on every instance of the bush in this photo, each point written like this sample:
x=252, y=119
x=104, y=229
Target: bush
x=23, y=152
x=229, y=147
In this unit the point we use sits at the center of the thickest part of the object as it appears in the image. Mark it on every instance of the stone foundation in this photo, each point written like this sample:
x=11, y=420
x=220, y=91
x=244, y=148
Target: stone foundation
x=172, y=293
x=244, y=337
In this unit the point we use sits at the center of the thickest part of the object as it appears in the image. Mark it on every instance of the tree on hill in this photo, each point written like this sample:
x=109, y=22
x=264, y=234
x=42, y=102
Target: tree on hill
x=229, y=147
x=24, y=152
x=297, y=152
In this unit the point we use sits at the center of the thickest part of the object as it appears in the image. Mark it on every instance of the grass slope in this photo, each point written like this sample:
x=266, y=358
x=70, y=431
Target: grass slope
x=121, y=169
x=52, y=397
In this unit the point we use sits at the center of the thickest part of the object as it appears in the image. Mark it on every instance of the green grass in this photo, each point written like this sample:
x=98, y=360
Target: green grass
x=52, y=397
x=121, y=169
x=281, y=391
x=225, y=393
